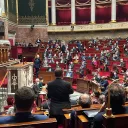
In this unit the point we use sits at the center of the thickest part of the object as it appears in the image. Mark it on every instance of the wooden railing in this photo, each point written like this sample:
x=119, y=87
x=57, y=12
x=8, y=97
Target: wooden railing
x=3, y=93
x=4, y=79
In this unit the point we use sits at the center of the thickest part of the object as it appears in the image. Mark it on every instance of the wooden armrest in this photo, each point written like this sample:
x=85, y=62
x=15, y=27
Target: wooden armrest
x=67, y=116
x=82, y=122
x=66, y=120
x=82, y=118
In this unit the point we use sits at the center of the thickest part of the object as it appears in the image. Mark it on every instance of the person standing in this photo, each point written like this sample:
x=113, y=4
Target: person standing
x=38, y=41
x=58, y=92
x=37, y=64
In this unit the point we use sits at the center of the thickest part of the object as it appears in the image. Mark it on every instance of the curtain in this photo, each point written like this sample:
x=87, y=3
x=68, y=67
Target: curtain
x=83, y=15
x=63, y=16
x=103, y=14
x=122, y=14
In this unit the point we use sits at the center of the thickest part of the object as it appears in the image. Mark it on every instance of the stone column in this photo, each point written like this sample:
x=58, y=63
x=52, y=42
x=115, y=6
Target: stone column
x=73, y=12
x=53, y=11
x=2, y=8
x=113, y=11
x=6, y=29
x=93, y=9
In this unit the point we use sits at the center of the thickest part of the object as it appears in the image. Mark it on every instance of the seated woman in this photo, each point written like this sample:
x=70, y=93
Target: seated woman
x=94, y=62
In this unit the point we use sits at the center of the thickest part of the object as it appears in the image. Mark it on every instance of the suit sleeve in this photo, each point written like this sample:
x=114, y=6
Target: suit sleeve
x=70, y=89
x=48, y=92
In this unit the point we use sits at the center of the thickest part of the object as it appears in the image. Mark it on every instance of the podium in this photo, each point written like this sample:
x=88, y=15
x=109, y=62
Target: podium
x=20, y=75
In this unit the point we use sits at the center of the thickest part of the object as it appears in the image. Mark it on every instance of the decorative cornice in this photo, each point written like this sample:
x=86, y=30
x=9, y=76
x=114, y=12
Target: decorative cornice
x=90, y=27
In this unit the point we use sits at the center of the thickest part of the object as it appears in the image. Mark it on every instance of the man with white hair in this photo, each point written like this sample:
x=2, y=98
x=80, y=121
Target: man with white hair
x=36, y=89
x=84, y=102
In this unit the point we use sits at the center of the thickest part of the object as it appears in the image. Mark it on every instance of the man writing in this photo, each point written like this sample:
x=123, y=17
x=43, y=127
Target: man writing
x=58, y=93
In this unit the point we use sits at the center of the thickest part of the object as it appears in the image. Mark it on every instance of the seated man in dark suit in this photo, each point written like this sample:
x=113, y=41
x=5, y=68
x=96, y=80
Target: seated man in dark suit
x=85, y=102
x=24, y=100
x=117, y=100
x=58, y=93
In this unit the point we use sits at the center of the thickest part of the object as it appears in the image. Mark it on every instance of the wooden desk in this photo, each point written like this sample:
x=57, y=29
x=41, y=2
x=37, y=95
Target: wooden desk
x=82, y=86
x=47, y=76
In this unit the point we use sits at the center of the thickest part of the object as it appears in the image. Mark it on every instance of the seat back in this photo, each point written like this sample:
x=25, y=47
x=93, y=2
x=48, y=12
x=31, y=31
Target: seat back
x=48, y=123
x=117, y=121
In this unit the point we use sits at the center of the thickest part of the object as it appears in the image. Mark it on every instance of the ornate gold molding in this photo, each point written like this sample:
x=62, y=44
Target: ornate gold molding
x=12, y=17
x=90, y=27
x=31, y=4
x=47, y=13
x=28, y=20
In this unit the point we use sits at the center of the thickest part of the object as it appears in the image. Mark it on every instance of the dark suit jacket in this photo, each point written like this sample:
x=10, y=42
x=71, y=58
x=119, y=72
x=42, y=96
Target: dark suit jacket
x=21, y=117
x=58, y=92
x=37, y=63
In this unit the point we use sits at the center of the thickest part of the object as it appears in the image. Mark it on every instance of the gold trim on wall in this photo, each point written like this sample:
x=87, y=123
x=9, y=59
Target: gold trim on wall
x=47, y=13
x=90, y=27
x=35, y=20
x=17, y=12
x=12, y=17
x=7, y=10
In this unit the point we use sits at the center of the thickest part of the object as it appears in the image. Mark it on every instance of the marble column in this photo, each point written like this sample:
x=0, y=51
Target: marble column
x=113, y=11
x=2, y=8
x=73, y=12
x=6, y=29
x=53, y=11
x=93, y=9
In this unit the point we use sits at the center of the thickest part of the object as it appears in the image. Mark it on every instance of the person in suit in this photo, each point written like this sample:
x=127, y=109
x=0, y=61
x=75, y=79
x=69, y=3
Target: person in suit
x=85, y=102
x=36, y=89
x=37, y=64
x=105, y=68
x=71, y=65
x=58, y=93
x=117, y=100
x=38, y=41
x=63, y=48
x=122, y=65
x=24, y=100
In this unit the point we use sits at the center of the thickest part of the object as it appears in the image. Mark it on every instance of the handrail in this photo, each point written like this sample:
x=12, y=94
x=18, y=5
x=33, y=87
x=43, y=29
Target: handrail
x=4, y=79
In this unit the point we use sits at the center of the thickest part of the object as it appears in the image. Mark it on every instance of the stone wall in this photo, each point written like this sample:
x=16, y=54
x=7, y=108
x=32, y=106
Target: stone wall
x=87, y=35
x=30, y=35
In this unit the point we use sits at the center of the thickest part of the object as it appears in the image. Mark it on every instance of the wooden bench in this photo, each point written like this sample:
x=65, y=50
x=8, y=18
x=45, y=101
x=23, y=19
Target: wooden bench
x=48, y=123
x=81, y=120
x=117, y=121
